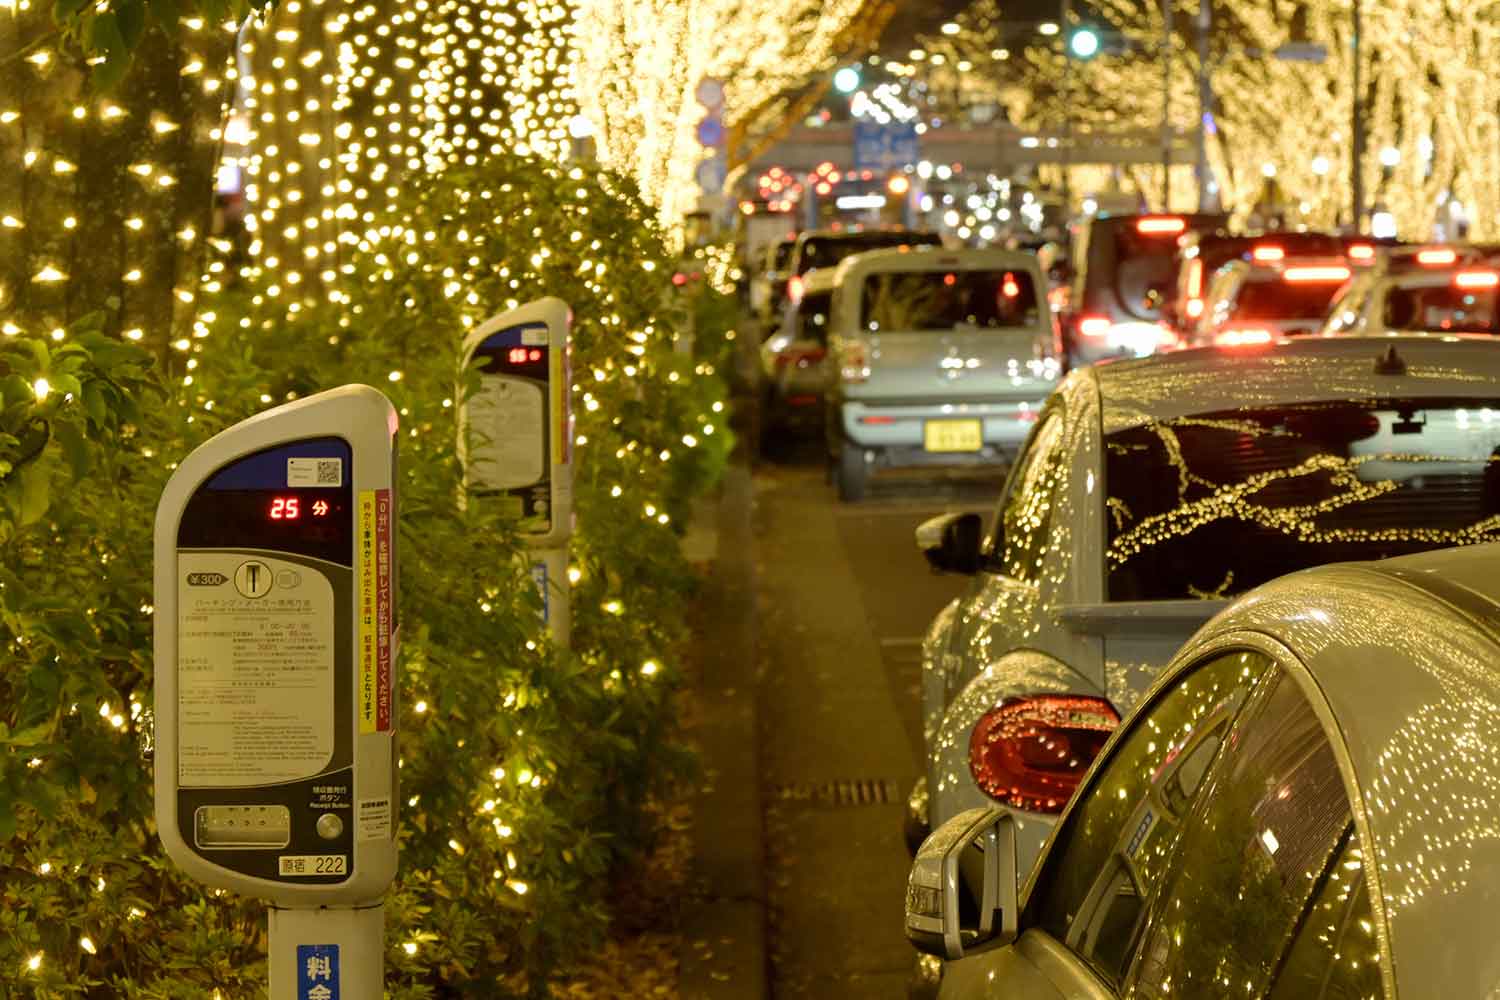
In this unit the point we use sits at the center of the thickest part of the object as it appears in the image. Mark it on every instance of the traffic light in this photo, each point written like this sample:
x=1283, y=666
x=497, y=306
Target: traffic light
x=1083, y=43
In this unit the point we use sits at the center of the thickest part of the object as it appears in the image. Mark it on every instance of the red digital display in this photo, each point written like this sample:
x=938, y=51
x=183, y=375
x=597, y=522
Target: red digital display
x=521, y=355
x=290, y=508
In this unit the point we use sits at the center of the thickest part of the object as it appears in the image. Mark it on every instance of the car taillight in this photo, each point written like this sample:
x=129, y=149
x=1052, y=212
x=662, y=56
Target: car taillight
x=1267, y=254
x=1476, y=279
x=1031, y=753
x=1437, y=256
x=1094, y=326
x=1312, y=274
x=1194, y=308
x=1362, y=253
x=855, y=366
x=1160, y=225
x=799, y=357
x=794, y=288
x=1243, y=336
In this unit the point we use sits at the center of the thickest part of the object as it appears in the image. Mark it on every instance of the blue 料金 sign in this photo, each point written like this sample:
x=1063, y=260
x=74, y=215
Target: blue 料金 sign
x=539, y=577
x=317, y=972
x=885, y=147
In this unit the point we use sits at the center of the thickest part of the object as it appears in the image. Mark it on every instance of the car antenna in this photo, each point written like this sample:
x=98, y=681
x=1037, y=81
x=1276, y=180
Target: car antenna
x=1390, y=363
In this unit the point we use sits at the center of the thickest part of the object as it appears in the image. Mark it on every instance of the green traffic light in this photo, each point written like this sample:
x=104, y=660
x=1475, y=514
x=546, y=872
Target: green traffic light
x=1084, y=43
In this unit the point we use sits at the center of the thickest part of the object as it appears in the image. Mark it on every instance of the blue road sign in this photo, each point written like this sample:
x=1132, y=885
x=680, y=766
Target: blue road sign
x=711, y=130
x=884, y=147
x=317, y=972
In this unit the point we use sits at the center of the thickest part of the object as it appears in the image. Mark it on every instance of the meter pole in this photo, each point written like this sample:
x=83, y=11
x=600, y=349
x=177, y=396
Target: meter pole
x=339, y=947
x=549, y=568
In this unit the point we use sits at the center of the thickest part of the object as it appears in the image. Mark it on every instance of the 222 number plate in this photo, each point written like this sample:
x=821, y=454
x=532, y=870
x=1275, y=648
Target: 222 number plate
x=953, y=435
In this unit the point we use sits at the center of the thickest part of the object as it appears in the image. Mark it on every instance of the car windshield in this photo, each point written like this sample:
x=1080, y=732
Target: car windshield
x=1215, y=504
x=1442, y=307
x=943, y=300
x=1283, y=300
x=826, y=251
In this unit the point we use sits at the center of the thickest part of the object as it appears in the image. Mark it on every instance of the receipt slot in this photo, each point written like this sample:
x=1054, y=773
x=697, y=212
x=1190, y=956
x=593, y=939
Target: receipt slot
x=516, y=439
x=276, y=693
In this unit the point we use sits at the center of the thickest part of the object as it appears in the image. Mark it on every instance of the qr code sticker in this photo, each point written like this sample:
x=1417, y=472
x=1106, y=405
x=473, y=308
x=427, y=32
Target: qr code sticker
x=315, y=472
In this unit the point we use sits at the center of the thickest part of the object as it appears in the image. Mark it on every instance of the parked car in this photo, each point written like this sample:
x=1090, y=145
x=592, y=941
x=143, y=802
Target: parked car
x=768, y=287
x=1302, y=807
x=1151, y=492
x=943, y=358
x=795, y=371
x=1260, y=300
x=1457, y=296
x=1124, y=276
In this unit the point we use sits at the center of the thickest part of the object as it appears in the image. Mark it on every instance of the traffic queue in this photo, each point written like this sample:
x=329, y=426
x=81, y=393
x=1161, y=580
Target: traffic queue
x=1212, y=714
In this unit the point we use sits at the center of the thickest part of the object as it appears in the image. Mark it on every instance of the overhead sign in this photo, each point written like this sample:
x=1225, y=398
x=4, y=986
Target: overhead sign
x=885, y=147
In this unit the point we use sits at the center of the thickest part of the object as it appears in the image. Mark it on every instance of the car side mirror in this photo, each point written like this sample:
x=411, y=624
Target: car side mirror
x=961, y=895
x=952, y=543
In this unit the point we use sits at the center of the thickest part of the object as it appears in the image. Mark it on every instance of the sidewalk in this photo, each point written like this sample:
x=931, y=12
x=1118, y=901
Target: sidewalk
x=723, y=953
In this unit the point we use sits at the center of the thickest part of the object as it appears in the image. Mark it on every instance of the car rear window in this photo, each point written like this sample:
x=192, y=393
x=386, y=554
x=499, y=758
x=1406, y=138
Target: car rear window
x=1444, y=307
x=944, y=300
x=1145, y=272
x=1215, y=504
x=826, y=251
x=1283, y=300
x=783, y=253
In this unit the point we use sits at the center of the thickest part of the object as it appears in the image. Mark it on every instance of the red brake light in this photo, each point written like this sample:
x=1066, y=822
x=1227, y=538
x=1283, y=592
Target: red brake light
x=1094, y=326
x=1195, y=278
x=1361, y=252
x=1031, y=753
x=1330, y=273
x=1243, y=337
x=877, y=419
x=1437, y=256
x=1267, y=254
x=1476, y=279
x=1008, y=287
x=1194, y=308
x=794, y=288
x=1160, y=225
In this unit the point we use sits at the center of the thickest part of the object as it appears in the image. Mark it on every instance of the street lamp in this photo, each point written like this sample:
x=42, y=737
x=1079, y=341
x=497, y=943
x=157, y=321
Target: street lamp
x=846, y=80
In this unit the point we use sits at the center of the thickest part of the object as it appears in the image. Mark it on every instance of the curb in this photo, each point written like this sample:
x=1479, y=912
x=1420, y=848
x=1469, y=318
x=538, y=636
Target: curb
x=723, y=954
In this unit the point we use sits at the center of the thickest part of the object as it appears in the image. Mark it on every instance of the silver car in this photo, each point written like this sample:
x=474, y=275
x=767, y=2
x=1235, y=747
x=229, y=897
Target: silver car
x=943, y=358
x=1150, y=493
x=1303, y=807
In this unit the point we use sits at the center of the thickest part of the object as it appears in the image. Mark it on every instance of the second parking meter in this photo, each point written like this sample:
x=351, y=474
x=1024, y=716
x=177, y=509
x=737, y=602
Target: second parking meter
x=516, y=438
x=276, y=685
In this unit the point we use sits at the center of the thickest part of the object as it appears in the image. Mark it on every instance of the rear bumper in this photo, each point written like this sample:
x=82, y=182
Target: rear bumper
x=899, y=427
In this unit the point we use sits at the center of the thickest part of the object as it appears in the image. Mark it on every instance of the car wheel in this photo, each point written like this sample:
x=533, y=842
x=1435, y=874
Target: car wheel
x=853, y=472
x=914, y=824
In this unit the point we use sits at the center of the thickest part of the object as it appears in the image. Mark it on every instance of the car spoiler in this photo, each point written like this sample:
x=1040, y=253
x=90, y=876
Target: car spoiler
x=1116, y=617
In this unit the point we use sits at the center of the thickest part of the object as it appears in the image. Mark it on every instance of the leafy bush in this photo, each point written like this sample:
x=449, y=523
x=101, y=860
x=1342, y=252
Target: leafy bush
x=524, y=770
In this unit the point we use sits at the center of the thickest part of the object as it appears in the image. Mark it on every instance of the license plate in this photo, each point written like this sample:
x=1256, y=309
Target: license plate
x=953, y=435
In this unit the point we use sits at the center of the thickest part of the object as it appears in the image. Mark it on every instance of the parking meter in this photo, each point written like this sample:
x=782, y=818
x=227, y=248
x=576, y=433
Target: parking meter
x=515, y=437
x=276, y=694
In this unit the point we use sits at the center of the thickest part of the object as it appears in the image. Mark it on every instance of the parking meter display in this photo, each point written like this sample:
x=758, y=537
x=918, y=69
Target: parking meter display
x=265, y=568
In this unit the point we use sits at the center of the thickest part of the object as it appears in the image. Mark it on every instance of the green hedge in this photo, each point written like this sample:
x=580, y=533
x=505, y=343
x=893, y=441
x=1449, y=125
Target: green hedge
x=525, y=773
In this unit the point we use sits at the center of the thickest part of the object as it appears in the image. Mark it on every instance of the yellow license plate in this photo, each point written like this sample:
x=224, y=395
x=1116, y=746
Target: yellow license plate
x=953, y=435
